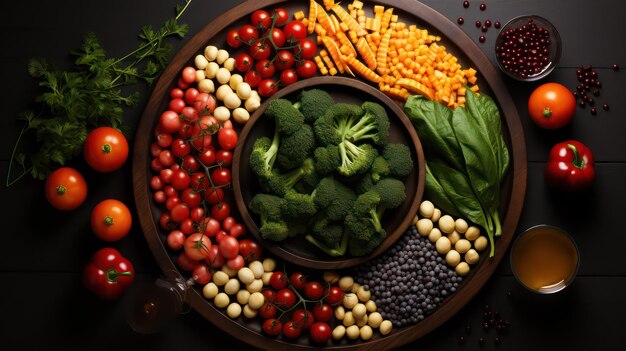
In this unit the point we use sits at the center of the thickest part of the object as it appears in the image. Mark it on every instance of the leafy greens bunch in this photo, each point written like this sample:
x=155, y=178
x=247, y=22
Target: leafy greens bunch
x=72, y=103
x=466, y=157
x=328, y=173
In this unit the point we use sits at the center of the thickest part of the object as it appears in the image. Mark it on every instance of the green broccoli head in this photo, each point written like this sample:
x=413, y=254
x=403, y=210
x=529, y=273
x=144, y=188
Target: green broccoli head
x=392, y=192
x=372, y=126
x=315, y=103
x=335, y=198
x=287, y=117
x=331, y=128
x=295, y=148
x=366, y=206
x=267, y=206
x=263, y=155
x=327, y=159
x=355, y=159
x=280, y=184
x=298, y=206
x=275, y=231
x=328, y=236
x=364, y=238
x=399, y=158
x=365, y=183
x=380, y=168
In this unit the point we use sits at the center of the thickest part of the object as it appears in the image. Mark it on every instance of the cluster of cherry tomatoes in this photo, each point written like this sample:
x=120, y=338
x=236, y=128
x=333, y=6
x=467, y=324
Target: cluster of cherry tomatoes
x=191, y=159
x=309, y=302
x=275, y=45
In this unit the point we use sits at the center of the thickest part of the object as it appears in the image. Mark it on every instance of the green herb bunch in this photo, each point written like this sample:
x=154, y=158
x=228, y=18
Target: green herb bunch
x=72, y=103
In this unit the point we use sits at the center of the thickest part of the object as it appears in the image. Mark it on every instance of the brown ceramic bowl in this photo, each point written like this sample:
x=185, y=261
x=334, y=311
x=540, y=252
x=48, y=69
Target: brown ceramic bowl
x=297, y=250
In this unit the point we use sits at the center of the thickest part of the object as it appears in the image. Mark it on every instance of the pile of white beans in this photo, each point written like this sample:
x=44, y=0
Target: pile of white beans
x=455, y=239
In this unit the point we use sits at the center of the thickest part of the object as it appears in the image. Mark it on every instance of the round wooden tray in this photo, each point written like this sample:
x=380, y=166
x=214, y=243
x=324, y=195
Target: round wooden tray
x=297, y=250
x=409, y=11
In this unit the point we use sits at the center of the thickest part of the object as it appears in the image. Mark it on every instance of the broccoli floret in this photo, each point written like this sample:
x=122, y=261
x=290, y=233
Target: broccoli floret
x=399, y=158
x=392, y=193
x=366, y=206
x=275, y=231
x=280, y=184
x=295, y=148
x=327, y=159
x=380, y=168
x=315, y=103
x=287, y=117
x=373, y=125
x=332, y=127
x=268, y=207
x=298, y=206
x=328, y=236
x=263, y=155
x=334, y=198
x=365, y=183
x=355, y=159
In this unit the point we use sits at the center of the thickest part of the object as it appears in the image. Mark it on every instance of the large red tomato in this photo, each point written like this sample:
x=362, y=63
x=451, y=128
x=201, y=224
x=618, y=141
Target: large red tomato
x=551, y=106
x=111, y=220
x=65, y=189
x=105, y=149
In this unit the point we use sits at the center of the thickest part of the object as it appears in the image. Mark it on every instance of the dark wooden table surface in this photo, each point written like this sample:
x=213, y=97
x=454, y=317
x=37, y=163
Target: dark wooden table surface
x=43, y=304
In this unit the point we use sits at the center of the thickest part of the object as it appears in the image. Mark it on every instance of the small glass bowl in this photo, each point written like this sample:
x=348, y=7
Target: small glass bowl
x=558, y=234
x=554, y=48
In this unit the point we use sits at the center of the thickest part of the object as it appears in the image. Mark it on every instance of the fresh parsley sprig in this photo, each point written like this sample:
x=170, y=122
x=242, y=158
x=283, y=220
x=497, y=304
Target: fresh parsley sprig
x=72, y=103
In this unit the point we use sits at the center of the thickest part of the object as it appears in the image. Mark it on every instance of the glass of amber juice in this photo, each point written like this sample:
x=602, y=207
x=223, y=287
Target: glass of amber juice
x=545, y=259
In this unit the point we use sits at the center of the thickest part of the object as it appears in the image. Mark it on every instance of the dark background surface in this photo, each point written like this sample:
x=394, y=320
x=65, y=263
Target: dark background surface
x=43, y=251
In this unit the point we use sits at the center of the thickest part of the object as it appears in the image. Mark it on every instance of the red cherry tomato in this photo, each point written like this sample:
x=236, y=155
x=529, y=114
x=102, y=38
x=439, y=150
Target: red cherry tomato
x=227, y=138
x=180, y=180
x=303, y=319
x=224, y=157
x=291, y=330
x=306, y=48
x=260, y=50
x=248, y=33
x=190, y=95
x=295, y=30
x=213, y=195
x=282, y=16
x=261, y=18
x=180, y=147
x=237, y=230
x=266, y=68
x=288, y=76
x=215, y=259
x=111, y=220
x=221, y=176
x=272, y=327
x=220, y=211
x=313, y=290
x=179, y=212
x=551, y=106
x=201, y=274
x=285, y=299
x=250, y=250
x=306, y=69
x=243, y=62
x=169, y=121
x=187, y=226
x=188, y=75
x=199, y=181
x=177, y=104
x=197, y=246
x=322, y=312
x=185, y=262
x=207, y=157
x=220, y=235
x=277, y=36
x=175, y=240
x=65, y=189
x=334, y=295
x=279, y=280
x=190, y=163
x=268, y=310
x=204, y=104
x=320, y=332
x=284, y=60
x=269, y=294
x=229, y=247
x=236, y=263
x=297, y=280
x=228, y=223
x=253, y=78
x=177, y=93
x=268, y=87
x=232, y=38
x=211, y=226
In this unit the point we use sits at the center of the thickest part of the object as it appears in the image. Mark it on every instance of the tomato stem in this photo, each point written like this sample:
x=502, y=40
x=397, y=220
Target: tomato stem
x=108, y=221
x=61, y=189
x=113, y=274
x=547, y=113
x=106, y=148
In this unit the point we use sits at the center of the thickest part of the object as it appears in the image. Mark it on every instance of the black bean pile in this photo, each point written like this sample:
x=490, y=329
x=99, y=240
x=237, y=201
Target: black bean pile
x=409, y=281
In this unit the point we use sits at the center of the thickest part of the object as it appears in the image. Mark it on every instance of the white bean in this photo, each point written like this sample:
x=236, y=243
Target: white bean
x=222, y=55
x=446, y=224
x=241, y=115
x=222, y=91
x=472, y=233
x=222, y=75
x=345, y=283
x=359, y=310
x=460, y=225
x=363, y=294
x=252, y=104
x=481, y=243
x=221, y=113
x=210, y=52
x=350, y=300
x=454, y=237
x=385, y=327
x=210, y=290
x=200, y=75
x=472, y=256
x=340, y=312
x=245, y=275
x=371, y=306
x=424, y=226
x=232, y=101
x=366, y=332
x=348, y=319
x=352, y=332
x=221, y=300
x=232, y=286
x=269, y=264
x=233, y=310
x=206, y=86
x=235, y=81
x=243, y=296
x=255, y=286
x=211, y=70
x=427, y=209
x=257, y=269
x=243, y=90
x=339, y=332
x=220, y=278
x=443, y=245
x=436, y=215
x=248, y=312
x=266, y=278
x=434, y=235
x=462, y=269
x=462, y=246
x=201, y=62
x=256, y=300
x=453, y=258
x=374, y=319
x=229, y=64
